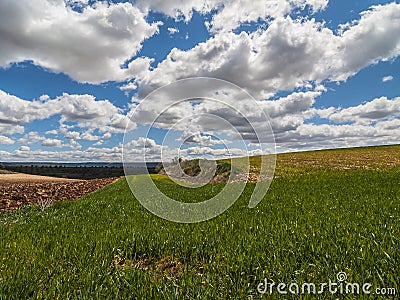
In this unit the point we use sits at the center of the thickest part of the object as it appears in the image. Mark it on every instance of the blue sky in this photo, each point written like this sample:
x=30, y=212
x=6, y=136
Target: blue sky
x=72, y=72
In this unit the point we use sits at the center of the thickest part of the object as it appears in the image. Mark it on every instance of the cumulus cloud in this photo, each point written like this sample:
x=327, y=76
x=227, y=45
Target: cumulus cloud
x=313, y=136
x=288, y=54
x=107, y=135
x=98, y=143
x=366, y=43
x=142, y=143
x=372, y=123
x=223, y=110
x=52, y=132
x=83, y=110
x=72, y=135
x=228, y=17
x=8, y=129
x=88, y=136
x=89, y=46
x=25, y=148
x=14, y=110
x=31, y=137
x=91, y=154
x=5, y=140
x=296, y=123
x=376, y=109
x=200, y=138
x=295, y=103
x=387, y=78
x=177, y=9
x=229, y=14
x=204, y=152
x=52, y=143
x=75, y=135
x=172, y=30
x=294, y=55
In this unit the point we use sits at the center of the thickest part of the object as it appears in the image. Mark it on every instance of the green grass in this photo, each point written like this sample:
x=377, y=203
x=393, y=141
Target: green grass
x=107, y=246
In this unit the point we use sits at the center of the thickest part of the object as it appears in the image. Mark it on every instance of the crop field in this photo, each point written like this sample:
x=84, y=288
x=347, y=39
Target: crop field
x=326, y=212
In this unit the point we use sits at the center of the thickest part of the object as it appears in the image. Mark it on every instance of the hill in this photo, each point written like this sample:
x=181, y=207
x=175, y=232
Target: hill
x=326, y=212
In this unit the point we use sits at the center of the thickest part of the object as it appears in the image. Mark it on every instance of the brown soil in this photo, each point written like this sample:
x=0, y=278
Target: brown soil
x=18, y=189
x=20, y=177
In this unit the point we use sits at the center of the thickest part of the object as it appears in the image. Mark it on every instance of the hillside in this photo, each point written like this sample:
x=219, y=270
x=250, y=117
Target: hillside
x=326, y=212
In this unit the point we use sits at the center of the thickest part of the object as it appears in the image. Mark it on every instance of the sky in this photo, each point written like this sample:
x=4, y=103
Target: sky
x=84, y=80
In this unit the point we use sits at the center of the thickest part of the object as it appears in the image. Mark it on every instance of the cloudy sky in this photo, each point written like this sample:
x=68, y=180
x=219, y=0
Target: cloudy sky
x=73, y=73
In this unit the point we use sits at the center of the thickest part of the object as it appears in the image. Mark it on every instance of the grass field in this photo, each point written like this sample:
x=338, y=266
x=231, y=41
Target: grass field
x=325, y=212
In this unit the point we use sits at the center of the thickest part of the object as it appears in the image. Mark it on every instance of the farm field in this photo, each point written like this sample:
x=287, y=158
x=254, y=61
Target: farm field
x=326, y=212
x=17, y=189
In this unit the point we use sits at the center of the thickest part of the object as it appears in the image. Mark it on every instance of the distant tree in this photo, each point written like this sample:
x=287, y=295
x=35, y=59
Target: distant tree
x=2, y=167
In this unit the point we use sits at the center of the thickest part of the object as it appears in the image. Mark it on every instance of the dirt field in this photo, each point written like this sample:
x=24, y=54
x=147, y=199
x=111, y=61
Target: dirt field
x=19, y=177
x=18, y=189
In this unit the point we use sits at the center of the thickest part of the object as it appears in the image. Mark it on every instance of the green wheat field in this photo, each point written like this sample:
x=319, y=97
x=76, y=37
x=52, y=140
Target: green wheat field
x=326, y=212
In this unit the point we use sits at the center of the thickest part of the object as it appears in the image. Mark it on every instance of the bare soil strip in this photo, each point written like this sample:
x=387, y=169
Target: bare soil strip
x=20, y=177
x=18, y=189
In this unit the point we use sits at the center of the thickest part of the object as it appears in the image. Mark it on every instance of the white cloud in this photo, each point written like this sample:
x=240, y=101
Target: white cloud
x=312, y=136
x=200, y=138
x=107, y=135
x=73, y=135
x=31, y=137
x=91, y=154
x=6, y=128
x=291, y=117
x=4, y=140
x=98, y=143
x=52, y=143
x=14, y=110
x=142, y=143
x=119, y=123
x=52, y=132
x=295, y=103
x=377, y=42
x=387, y=78
x=176, y=8
x=89, y=46
x=228, y=111
x=25, y=148
x=379, y=108
x=288, y=54
x=83, y=110
x=88, y=136
x=131, y=85
x=199, y=151
x=172, y=30
x=229, y=13
x=373, y=123
x=234, y=13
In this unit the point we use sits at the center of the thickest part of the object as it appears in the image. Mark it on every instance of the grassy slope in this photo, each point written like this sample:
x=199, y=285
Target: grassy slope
x=311, y=225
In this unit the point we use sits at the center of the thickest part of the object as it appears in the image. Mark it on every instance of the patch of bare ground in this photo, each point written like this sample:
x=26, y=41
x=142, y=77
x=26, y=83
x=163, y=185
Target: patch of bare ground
x=20, y=177
x=167, y=266
x=19, y=189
